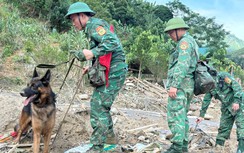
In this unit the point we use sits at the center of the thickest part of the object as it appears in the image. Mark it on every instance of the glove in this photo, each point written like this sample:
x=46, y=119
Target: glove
x=78, y=54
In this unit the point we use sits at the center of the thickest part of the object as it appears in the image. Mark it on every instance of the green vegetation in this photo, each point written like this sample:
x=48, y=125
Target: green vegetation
x=33, y=32
x=234, y=43
x=237, y=56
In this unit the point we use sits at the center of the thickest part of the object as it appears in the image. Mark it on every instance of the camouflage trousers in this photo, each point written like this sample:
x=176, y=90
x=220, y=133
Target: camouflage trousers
x=226, y=123
x=101, y=102
x=177, y=116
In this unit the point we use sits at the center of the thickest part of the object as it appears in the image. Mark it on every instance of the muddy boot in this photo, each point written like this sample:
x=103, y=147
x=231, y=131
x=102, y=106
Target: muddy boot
x=240, y=148
x=218, y=149
x=185, y=147
x=174, y=148
x=219, y=146
x=112, y=139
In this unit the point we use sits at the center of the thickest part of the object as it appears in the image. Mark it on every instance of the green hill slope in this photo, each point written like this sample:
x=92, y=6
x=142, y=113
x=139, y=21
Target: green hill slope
x=234, y=43
x=237, y=56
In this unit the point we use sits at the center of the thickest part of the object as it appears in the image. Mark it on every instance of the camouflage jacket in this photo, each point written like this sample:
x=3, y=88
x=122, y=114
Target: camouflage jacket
x=102, y=41
x=227, y=90
x=182, y=62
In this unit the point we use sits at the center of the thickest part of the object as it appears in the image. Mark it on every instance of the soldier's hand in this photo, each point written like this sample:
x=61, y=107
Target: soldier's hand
x=78, y=54
x=235, y=106
x=199, y=119
x=88, y=54
x=172, y=92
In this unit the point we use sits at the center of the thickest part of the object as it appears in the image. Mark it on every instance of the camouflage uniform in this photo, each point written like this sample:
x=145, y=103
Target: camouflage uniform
x=182, y=64
x=102, y=41
x=228, y=91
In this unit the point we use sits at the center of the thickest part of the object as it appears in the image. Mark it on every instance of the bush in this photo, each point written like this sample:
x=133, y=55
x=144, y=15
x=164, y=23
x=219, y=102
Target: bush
x=7, y=51
x=11, y=81
x=49, y=10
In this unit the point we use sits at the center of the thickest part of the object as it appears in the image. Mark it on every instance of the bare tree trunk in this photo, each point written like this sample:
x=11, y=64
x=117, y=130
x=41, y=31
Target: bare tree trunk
x=139, y=73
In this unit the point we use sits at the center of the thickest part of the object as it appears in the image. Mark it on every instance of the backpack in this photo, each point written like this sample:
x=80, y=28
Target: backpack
x=203, y=76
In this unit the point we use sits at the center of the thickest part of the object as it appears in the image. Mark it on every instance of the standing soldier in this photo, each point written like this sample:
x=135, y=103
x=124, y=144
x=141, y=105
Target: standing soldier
x=180, y=83
x=105, y=46
x=230, y=93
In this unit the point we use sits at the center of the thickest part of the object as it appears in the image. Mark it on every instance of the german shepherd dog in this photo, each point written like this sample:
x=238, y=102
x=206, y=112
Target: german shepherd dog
x=39, y=111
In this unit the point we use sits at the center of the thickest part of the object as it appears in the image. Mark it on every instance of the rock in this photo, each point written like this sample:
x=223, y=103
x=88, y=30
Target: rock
x=208, y=117
x=130, y=84
x=212, y=105
x=190, y=113
x=193, y=107
x=169, y=136
x=84, y=96
x=114, y=111
x=142, y=138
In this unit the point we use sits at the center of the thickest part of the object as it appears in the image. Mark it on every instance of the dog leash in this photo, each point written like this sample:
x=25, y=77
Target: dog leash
x=55, y=65
x=50, y=66
x=67, y=73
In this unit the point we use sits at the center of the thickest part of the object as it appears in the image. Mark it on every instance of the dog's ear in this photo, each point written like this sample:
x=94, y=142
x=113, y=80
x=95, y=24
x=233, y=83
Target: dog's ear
x=35, y=74
x=46, y=78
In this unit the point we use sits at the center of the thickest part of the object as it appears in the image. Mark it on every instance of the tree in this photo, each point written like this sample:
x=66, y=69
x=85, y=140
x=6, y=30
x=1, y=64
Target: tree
x=159, y=61
x=56, y=15
x=140, y=50
x=162, y=12
x=206, y=32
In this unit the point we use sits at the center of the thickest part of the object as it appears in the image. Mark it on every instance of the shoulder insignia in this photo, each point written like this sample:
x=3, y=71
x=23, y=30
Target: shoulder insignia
x=227, y=80
x=100, y=30
x=184, y=45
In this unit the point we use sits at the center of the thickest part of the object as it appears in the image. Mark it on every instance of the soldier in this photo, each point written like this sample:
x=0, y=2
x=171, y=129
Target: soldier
x=103, y=43
x=180, y=83
x=229, y=92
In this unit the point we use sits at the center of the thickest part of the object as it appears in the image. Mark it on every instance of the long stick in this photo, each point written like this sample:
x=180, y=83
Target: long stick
x=141, y=128
x=68, y=108
x=14, y=147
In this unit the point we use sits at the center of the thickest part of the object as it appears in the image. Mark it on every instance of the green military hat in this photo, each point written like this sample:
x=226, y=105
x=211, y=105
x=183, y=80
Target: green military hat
x=79, y=7
x=175, y=23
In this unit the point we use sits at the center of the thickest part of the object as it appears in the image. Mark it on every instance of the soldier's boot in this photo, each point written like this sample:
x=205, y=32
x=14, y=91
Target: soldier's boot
x=185, y=147
x=174, y=148
x=219, y=146
x=240, y=148
x=220, y=142
x=112, y=139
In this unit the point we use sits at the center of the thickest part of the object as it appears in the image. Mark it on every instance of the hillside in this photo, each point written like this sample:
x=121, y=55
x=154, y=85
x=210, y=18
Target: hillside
x=237, y=56
x=234, y=43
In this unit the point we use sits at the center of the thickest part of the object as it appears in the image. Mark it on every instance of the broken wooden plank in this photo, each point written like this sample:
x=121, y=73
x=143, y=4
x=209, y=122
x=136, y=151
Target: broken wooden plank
x=142, y=128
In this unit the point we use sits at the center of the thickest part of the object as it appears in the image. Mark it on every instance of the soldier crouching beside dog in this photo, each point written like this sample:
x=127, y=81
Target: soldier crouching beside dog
x=230, y=93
